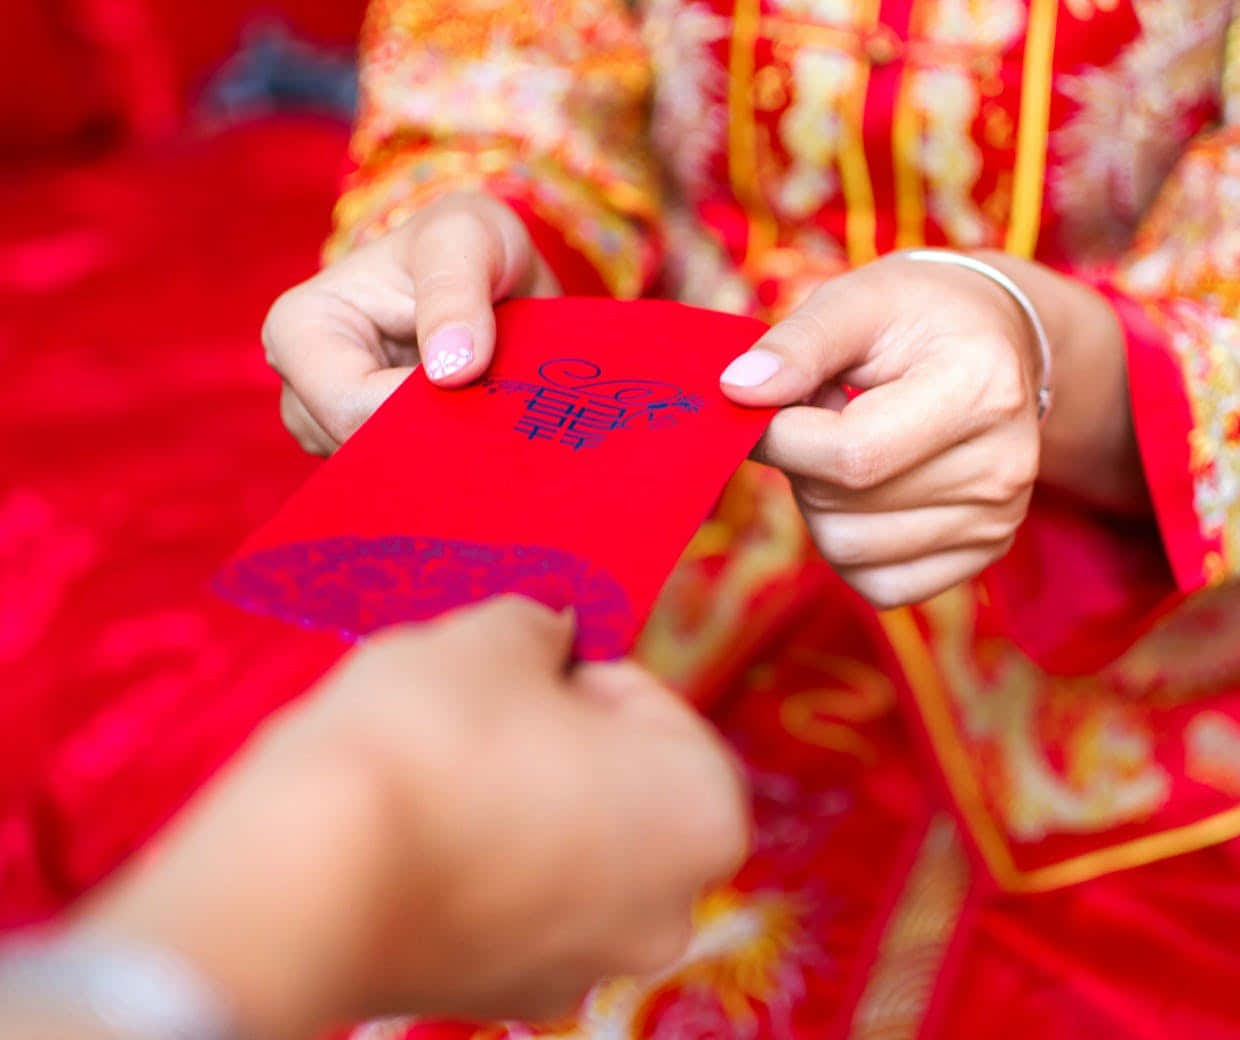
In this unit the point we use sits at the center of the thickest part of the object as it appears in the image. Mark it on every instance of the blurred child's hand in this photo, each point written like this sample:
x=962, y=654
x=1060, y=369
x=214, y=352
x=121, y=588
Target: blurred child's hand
x=454, y=822
x=346, y=338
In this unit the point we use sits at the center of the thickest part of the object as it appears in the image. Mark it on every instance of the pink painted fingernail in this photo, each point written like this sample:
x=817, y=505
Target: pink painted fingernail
x=448, y=351
x=753, y=368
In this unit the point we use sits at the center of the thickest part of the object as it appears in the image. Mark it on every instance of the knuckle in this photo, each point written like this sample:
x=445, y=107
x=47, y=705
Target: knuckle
x=455, y=228
x=859, y=464
x=444, y=284
x=1017, y=473
x=342, y=422
x=1003, y=391
x=802, y=333
x=272, y=333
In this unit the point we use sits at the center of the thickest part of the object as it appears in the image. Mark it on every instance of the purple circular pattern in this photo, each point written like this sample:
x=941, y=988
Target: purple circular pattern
x=356, y=585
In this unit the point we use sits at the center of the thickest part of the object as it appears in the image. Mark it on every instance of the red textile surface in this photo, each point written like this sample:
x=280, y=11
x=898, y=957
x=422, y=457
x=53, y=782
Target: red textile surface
x=55, y=87
x=142, y=444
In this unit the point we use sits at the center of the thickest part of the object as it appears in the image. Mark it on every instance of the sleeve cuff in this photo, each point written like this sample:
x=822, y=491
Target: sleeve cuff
x=1163, y=421
x=576, y=275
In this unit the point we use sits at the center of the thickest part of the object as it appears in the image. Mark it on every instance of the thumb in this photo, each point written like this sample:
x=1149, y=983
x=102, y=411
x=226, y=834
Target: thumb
x=516, y=636
x=829, y=333
x=468, y=252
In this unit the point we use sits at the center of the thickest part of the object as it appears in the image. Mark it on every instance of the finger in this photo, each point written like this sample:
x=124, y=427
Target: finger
x=512, y=634
x=329, y=353
x=994, y=470
x=876, y=539
x=899, y=584
x=830, y=332
x=463, y=258
x=880, y=433
x=300, y=423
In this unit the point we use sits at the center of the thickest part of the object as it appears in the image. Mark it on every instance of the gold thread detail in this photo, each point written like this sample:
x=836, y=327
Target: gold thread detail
x=926, y=685
x=1035, y=108
x=911, y=951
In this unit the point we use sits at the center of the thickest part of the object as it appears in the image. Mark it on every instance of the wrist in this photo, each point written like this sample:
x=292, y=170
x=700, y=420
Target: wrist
x=1088, y=441
x=267, y=891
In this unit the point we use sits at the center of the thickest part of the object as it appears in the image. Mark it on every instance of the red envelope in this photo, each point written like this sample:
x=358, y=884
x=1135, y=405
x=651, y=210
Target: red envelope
x=574, y=473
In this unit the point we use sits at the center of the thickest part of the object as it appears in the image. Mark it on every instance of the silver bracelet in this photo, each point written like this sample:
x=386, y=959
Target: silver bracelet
x=969, y=263
x=133, y=991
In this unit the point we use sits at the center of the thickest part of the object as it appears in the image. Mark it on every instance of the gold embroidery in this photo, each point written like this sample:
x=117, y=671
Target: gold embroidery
x=912, y=949
x=1131, y=119
x=859, y=693
x=490, y=94
x=954, y=53
x=698, y=614
x=740, y=951
x=917, y=663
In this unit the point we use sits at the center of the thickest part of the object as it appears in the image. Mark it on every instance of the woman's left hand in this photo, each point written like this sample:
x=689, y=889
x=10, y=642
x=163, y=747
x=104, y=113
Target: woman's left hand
x=922, y=480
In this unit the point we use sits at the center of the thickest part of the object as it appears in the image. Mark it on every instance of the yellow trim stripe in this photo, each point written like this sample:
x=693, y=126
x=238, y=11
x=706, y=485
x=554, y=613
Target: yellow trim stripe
x=1035, y=108
x=906, y=124
x=743, y=130
x=924, y=681
x=860, y=226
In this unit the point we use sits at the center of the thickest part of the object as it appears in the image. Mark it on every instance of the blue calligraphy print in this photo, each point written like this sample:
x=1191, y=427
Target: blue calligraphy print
x=354, y=585
x=574, y=406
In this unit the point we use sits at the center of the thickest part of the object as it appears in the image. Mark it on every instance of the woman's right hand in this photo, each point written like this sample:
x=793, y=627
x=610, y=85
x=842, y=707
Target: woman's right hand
x=346, y=338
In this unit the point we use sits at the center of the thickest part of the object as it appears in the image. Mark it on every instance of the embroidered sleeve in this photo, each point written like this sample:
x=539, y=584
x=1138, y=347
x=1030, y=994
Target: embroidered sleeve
x=1177, y=292
x=542, y=103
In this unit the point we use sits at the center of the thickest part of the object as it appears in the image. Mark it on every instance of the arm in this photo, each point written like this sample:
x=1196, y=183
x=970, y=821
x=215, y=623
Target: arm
x=925, y=479
x=542, y=105
x=501, y=150
x=345, y=865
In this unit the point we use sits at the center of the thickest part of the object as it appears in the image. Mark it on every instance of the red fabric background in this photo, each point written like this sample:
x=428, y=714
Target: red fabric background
x=132, y=290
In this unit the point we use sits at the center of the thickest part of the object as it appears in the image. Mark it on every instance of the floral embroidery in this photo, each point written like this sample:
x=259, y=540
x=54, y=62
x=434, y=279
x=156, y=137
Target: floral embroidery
x=744, y=950
x=945, y=96
x=1185, y=263
x=490, y=99
x=1130, y=123
x=689, y=123
x=812, y=126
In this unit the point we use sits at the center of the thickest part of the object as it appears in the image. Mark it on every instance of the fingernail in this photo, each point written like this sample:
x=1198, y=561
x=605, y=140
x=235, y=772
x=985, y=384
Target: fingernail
x=448, y=351
x=753, y=368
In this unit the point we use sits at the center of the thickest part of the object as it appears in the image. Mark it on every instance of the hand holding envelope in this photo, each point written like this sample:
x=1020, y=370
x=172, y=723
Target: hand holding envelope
x=574, y=473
